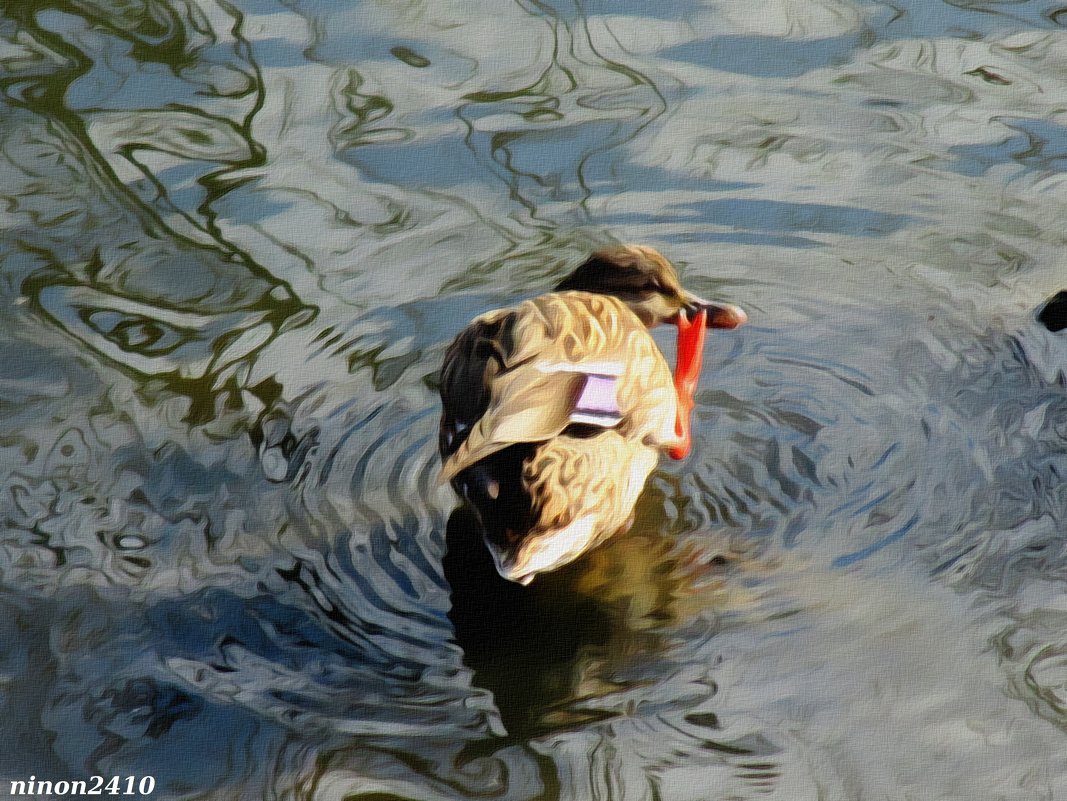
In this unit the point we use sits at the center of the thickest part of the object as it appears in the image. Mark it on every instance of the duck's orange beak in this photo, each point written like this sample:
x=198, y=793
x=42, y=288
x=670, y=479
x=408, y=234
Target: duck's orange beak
x=690, y=356
x=687, y=374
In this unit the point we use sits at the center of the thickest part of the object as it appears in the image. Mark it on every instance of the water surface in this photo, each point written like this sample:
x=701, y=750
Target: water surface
x=235, y=239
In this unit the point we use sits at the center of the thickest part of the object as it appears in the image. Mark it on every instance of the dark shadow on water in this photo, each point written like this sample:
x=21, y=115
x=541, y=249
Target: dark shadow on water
x=523, y=643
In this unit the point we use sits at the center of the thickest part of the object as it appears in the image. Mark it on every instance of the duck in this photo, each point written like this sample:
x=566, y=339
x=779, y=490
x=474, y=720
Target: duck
x=556, y=410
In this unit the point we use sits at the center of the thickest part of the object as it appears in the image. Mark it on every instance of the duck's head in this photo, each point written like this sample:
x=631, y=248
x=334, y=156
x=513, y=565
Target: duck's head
x=646, y=282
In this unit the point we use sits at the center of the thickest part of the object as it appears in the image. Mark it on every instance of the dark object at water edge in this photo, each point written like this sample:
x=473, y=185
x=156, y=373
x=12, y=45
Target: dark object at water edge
x=1053, y=314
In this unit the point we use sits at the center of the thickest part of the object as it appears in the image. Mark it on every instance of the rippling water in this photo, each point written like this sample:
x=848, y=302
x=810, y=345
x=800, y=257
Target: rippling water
x=235, y=238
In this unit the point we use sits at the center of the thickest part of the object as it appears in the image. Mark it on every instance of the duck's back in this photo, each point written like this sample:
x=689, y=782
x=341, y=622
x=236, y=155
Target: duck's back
x=563, y=360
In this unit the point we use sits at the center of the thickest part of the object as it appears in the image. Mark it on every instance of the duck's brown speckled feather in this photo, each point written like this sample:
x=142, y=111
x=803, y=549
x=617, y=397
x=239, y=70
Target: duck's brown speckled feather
x=514, y=374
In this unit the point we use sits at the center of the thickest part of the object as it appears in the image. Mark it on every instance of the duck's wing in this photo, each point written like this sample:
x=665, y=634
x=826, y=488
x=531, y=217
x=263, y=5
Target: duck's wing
x=495, y=394
x=516, y=376
x=471, y=362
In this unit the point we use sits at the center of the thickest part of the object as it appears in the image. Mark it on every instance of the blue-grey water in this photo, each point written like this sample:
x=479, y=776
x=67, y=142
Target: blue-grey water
x=235, y=239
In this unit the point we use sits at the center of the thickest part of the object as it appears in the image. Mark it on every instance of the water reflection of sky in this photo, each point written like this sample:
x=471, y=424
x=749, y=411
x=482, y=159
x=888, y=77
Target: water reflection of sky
x=234, y=242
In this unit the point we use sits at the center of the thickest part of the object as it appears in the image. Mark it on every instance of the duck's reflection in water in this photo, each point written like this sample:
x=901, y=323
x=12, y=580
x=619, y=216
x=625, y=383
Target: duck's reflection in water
x=596, y=628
